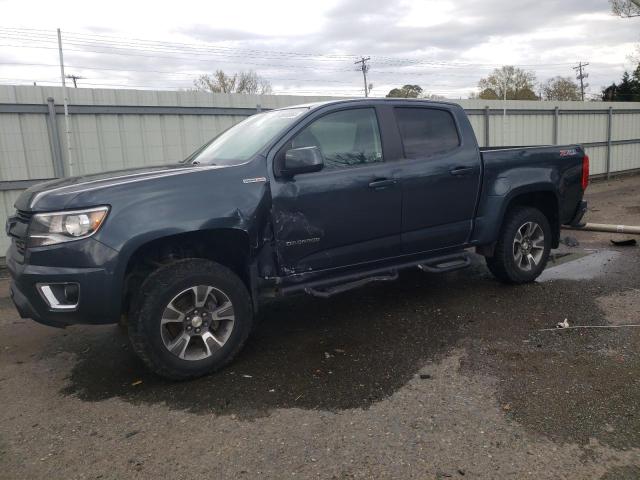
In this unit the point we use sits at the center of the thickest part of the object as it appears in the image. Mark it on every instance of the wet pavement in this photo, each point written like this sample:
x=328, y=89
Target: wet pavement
x=432, y=376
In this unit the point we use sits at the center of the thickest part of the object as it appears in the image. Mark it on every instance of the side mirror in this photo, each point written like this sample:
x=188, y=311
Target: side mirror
x=302, y=160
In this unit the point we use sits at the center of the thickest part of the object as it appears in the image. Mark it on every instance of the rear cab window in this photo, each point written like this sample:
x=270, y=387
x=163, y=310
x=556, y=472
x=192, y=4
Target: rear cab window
x=426, y=132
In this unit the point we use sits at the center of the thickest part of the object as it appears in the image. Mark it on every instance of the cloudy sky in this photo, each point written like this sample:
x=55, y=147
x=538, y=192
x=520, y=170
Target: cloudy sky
x=309, y=47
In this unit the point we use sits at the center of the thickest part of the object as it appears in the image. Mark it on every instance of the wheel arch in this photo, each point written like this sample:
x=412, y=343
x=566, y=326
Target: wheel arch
x=543, y=196
x=227, y=246
x=544, y=199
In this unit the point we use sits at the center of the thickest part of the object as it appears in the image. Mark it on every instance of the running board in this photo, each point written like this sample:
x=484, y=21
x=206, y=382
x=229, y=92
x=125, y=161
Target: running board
x=330, y=291
x=447, y=263
x=327, y=287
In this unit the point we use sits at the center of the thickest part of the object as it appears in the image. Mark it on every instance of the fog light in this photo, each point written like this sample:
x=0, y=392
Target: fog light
x=60, y=296
x=71, y=293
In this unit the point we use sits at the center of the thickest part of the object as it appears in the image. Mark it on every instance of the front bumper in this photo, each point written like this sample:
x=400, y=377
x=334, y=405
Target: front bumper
x=99, y=300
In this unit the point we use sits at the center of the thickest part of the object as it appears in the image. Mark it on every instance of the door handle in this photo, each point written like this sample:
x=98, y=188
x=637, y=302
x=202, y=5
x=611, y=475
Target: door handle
x=461, y=170
x=382, y=183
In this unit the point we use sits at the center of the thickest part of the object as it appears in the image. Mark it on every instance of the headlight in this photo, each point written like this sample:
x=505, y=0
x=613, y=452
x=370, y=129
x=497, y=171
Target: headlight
x=59, y=227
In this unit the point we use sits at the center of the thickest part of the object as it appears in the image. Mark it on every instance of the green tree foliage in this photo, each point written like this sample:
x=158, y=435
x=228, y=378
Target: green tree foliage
x=628, y=90
x=243, y=82
x=407, y=91
x=561, y=88
x=519, y=84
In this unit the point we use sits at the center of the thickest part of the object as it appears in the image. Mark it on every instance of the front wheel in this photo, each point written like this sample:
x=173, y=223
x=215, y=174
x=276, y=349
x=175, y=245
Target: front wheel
x=522, y=250
x=191, y=317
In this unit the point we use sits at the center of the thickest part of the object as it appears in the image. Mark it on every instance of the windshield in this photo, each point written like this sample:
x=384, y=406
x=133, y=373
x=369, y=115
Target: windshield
x=242, y=141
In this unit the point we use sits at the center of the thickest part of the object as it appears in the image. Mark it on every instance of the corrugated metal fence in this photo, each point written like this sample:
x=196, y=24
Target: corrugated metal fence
x=114, y=129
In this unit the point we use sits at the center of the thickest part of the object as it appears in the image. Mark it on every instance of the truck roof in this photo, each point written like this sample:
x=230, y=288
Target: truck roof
x=313, y=105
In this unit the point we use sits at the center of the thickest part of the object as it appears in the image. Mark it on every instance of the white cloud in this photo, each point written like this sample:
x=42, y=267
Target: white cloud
x=459, y=41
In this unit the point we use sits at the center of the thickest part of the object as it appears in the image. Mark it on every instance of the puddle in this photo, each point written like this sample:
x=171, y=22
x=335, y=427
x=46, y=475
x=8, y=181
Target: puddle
x=579, y=266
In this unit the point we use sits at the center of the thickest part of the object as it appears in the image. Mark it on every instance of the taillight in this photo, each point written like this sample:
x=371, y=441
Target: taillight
x=585, y=172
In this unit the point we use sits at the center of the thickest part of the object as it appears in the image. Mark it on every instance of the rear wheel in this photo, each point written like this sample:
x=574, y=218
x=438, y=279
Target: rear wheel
x=190, y=318
x=522, y=250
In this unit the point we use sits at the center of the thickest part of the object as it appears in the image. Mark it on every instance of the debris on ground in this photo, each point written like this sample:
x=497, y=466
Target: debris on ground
x=570, y=241
x=137, y=382
x=627, y=242
x=564, y=324
x=631, y=325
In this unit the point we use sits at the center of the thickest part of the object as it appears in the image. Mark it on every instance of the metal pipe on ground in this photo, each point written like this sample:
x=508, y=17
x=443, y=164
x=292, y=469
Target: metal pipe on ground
x=605, y=227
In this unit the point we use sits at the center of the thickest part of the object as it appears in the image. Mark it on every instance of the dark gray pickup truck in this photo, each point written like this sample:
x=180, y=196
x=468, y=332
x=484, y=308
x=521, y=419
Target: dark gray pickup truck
x=317, y=198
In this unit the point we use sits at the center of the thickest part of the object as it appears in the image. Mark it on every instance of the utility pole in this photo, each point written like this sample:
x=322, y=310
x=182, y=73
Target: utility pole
x=365, y=68
x=67, y=122
x=74, y=78
x=581, y=75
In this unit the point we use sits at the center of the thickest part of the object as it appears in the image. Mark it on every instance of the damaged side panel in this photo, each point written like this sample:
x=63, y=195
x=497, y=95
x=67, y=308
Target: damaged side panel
x=332, y=218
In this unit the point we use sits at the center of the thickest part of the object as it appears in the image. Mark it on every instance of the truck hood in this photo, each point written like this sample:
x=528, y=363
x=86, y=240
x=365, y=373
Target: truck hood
x=56, y=194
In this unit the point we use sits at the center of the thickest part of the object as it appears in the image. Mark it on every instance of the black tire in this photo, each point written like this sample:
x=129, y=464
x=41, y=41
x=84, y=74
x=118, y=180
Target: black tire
x=158, y=290
x=503, y=264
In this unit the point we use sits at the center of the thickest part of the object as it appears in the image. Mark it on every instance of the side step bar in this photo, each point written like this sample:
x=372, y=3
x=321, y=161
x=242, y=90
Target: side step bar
x=330, y=291
x=446, y=264
x=332, y=286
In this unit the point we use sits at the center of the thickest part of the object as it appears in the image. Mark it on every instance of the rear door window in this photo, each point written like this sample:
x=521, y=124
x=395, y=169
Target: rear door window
x=426, y=132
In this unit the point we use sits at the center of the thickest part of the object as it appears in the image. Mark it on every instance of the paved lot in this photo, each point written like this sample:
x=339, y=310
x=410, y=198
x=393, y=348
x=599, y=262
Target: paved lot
x=429, y=377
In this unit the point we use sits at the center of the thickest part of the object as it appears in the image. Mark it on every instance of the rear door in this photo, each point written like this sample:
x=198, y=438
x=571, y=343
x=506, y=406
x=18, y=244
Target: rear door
x=349, y=212
x=440, y=178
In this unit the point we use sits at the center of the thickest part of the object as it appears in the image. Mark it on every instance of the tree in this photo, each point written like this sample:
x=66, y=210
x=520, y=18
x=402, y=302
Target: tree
x=625, y=8
x=243, y=82
x=561, y=88
x=519, y=84
x=628, y=90
x=407, y=91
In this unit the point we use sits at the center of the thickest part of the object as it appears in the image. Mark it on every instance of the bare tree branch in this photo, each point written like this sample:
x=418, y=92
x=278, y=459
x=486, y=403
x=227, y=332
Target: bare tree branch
x=243, y=82
x=625, y=8
x=509, y=81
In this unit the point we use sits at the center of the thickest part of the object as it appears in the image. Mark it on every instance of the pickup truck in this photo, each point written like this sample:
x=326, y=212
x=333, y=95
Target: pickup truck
x=317, y=198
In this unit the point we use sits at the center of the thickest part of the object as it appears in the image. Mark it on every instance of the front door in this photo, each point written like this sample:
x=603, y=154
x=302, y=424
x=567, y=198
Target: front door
x=349, y=212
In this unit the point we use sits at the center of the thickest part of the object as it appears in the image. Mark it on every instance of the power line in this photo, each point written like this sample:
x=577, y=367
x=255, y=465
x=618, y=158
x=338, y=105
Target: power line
x=404, y=68
x=242, y=62
x=177, y=47
x=106, y=40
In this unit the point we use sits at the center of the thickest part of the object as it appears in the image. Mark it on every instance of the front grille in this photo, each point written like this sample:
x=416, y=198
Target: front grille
x=19, y=224
x=24, y=216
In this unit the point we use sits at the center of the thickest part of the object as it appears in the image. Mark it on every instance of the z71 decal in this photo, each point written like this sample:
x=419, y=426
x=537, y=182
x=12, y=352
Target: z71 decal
x=568, y=153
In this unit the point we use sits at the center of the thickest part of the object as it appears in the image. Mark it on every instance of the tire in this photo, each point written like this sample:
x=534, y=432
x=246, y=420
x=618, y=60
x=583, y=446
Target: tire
x=162, y=312
x=505, y=264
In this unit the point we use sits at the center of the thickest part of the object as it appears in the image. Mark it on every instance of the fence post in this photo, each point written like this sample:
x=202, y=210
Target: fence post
x=486, y=126
x=609, y=129
x=54, y=139
x=556, y=113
